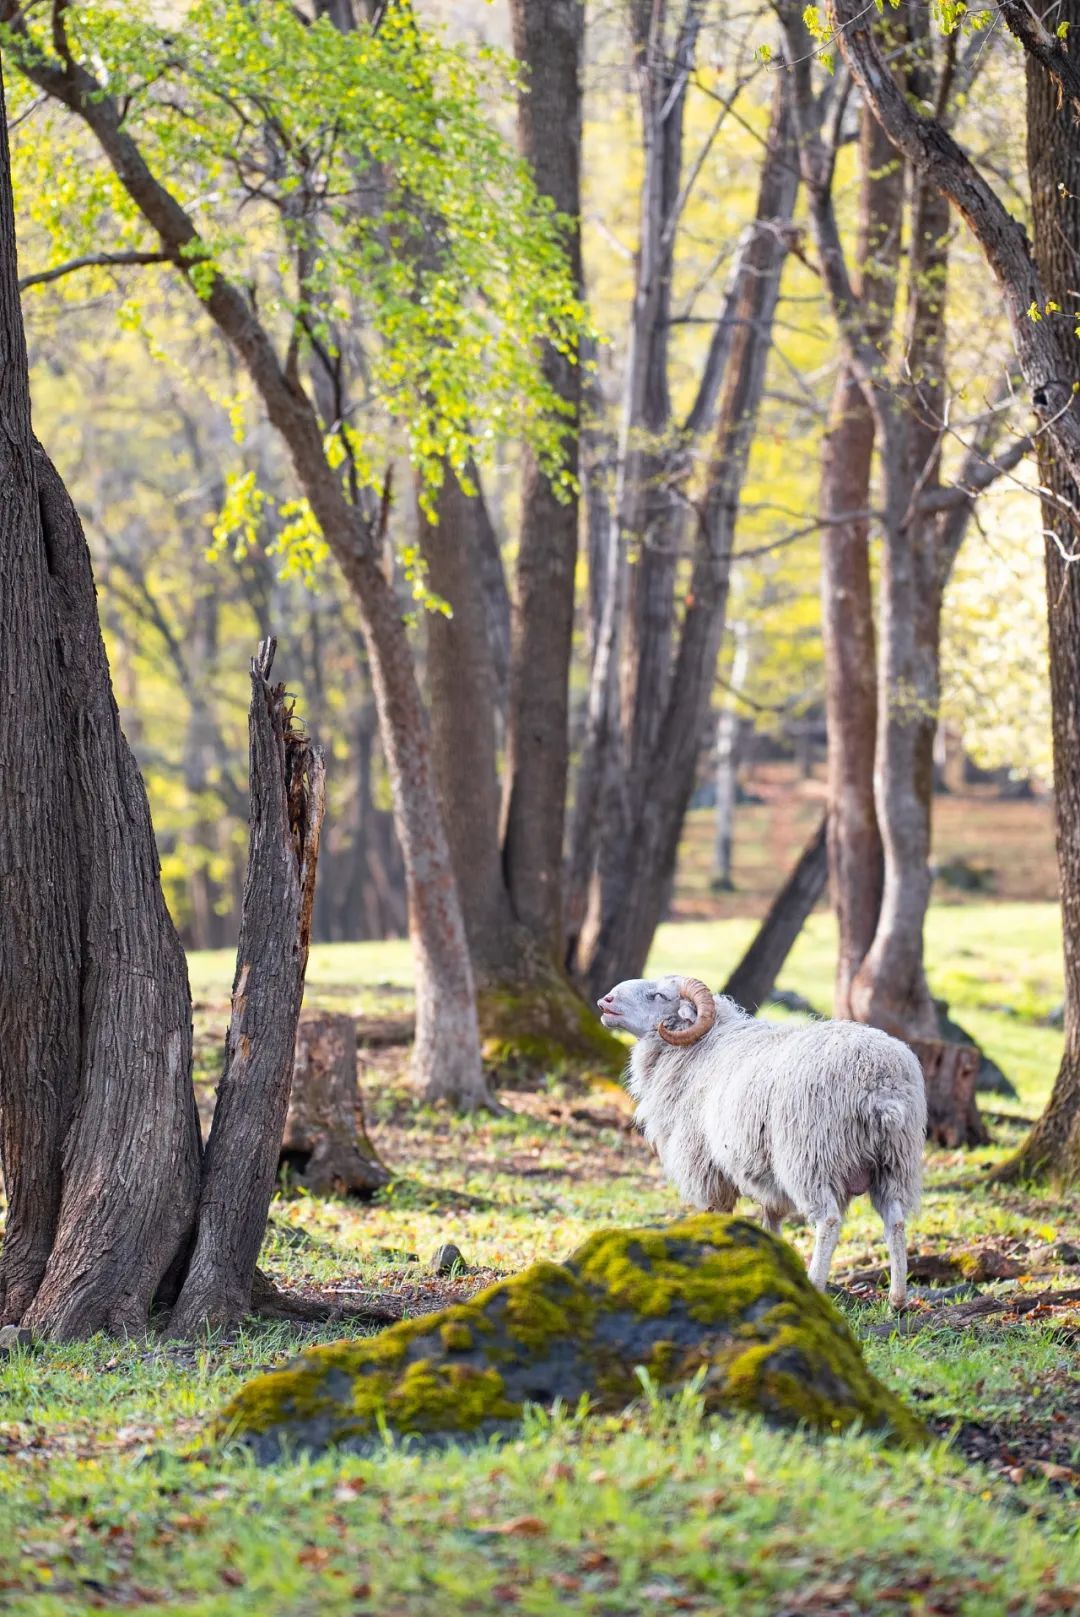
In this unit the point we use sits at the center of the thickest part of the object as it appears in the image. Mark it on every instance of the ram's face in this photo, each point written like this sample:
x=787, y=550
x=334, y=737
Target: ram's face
x=640, y=1004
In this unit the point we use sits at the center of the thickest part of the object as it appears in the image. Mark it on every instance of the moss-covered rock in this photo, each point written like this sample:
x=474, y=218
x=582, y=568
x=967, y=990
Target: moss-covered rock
x=710, y=1296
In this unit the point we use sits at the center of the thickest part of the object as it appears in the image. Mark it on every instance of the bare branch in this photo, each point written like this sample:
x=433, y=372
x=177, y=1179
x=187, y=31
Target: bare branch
x=1046, y=47
x=934, y=152
x=92, y=261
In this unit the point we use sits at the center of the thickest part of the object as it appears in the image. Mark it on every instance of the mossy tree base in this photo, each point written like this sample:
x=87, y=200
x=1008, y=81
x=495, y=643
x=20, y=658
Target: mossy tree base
x=710, y=1297
x=533, y=1031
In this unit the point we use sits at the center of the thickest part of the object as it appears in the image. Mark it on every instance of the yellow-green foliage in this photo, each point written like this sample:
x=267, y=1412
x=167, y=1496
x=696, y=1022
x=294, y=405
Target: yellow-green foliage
x=712, y=1298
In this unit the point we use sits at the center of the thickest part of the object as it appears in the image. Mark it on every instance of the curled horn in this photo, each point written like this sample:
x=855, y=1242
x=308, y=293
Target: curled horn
x=702, y=998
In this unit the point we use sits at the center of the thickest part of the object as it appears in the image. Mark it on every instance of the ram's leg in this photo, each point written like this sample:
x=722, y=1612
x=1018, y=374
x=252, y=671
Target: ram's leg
x=825, y=1217
x=772, y=1218
x=896, y=1241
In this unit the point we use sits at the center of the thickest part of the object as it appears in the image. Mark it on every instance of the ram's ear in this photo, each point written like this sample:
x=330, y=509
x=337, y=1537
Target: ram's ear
x=687, y=1011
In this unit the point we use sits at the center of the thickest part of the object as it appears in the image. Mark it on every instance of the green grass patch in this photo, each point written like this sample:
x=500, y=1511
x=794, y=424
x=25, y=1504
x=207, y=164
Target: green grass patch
x=111, y=1498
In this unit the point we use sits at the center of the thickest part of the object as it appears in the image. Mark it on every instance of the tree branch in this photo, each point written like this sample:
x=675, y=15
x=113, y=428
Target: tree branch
x=933, y=152
x=1047, y=49
x=92, y=261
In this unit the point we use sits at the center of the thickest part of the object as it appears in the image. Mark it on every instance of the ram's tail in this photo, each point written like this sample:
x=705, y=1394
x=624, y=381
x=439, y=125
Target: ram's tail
x=896, y=1114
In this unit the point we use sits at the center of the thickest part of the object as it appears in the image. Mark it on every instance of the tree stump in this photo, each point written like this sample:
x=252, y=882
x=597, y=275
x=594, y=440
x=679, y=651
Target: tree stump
x=951, y=1072
x=325, y=1138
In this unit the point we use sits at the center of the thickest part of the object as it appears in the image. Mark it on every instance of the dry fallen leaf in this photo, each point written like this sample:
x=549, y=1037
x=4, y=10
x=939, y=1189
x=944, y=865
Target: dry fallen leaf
x=517, y=1527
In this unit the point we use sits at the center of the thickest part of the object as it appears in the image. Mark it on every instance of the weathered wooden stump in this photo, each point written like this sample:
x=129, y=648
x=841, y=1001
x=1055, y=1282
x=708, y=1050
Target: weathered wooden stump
x=951, y=1072
x=325, y=1138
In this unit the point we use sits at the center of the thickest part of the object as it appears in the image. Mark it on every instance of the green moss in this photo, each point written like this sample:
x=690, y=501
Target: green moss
x=545, y=1303
x=706, y=1293
x=456, y=1336
x=536, y=1031
x=436, y=1398
x=739, y=1264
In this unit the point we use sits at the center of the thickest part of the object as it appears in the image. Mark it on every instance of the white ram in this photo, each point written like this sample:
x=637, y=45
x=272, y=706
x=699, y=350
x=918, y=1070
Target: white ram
x=799, y=1116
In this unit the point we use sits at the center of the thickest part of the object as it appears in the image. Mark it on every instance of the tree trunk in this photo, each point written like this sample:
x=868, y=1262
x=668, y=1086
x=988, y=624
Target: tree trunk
x=99, y=1130
x=847, y=610
x=125, y=1156
x=651, y=799
x=549, y=40
x=729, y=734
x=1052, y=1150
x=461, y=683
x=890, y=988
x=325, y=1137
x=285, y=817
x=754, y=978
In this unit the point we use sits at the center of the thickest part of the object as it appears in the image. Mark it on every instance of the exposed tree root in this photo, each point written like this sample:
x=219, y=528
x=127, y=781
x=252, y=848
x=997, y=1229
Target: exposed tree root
x=269, y=1302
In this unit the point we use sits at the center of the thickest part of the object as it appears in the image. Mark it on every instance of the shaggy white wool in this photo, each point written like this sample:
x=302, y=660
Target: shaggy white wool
x=801, y=1117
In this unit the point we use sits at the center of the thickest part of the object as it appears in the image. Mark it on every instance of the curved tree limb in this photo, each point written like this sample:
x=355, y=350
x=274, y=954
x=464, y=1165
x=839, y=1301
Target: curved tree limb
x=933, y=152
x=90, y=261
x=1049, y=49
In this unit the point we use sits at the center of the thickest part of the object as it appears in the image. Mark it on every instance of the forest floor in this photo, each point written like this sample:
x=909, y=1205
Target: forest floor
x=110, y=1497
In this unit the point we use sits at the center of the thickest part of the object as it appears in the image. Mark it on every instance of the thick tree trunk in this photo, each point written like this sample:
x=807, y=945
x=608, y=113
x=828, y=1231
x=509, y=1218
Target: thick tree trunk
x=754, y=978
x=325, y=1137
x=127, y=1192
x=847, y=610
x=549, y=40
x=461, y=683
x=94, y=1008
x=285, y=817
x=1053, y=1147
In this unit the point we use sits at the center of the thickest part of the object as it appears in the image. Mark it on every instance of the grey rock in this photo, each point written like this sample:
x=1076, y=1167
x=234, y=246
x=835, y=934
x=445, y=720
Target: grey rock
x=14, y=1337
x=445, y=1258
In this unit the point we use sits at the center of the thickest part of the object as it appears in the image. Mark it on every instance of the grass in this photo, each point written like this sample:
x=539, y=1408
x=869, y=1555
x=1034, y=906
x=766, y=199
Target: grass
x=109, y=1498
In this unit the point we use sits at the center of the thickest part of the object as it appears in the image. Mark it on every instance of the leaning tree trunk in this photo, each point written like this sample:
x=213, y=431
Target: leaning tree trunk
x=754, y=978
x=446, y=1053
x=1053, y=1147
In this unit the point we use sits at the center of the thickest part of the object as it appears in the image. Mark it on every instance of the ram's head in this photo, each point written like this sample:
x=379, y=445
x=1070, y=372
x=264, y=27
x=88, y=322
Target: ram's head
x=680, y=1009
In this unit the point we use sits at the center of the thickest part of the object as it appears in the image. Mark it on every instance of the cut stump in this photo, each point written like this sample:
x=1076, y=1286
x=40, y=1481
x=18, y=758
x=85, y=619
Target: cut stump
x=325, y=1138
x=951, y=1072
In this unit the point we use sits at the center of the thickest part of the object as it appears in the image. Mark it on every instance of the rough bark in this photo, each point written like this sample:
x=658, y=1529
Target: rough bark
x=287, y=798
x=94, y=1007
x=856, y=860
x=324, y=1136
x=446, y=1054
x=951, y=1072
x=754, y=978
x=1052, y=1150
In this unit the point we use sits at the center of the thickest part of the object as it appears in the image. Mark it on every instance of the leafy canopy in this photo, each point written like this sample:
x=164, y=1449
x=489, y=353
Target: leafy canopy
x=351, y=181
